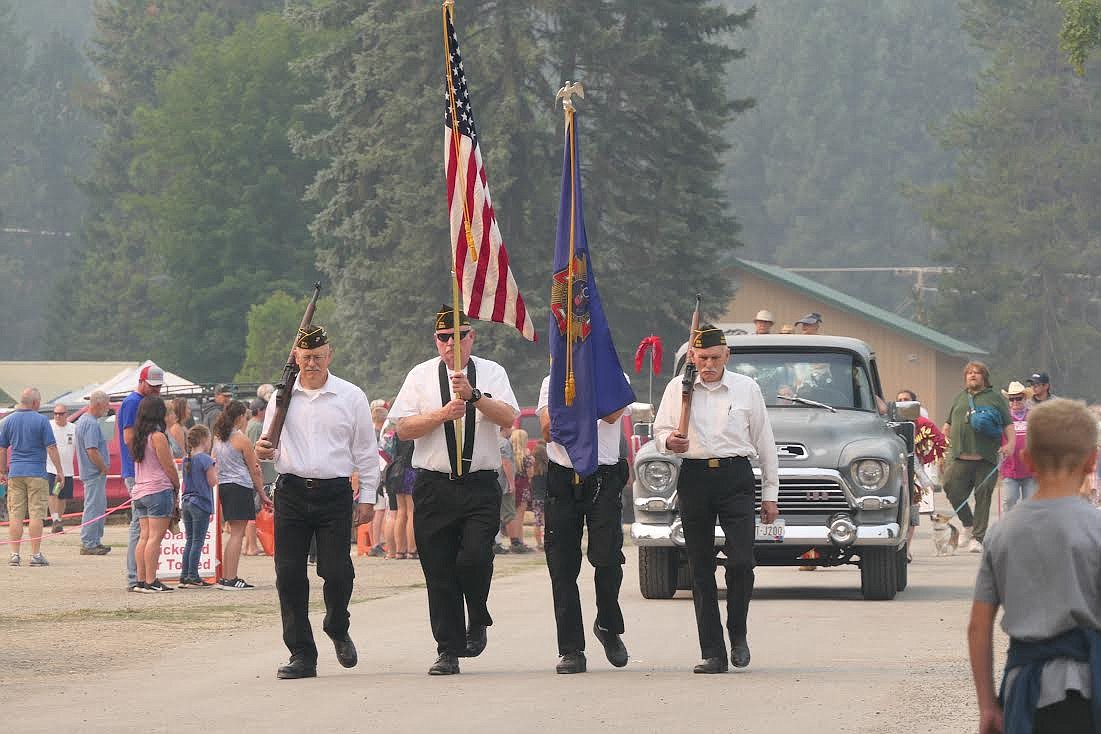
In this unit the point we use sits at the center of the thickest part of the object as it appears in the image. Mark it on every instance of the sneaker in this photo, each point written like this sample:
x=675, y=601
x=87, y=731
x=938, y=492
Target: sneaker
x=135, y=587
x=498, y=549
x=158, y=587
x=99, y=550
x=973, y=547
x=377, y=552
x=39, y=560
x=199, y=583
x=15, y=560
x=518, y=546
x=57, y=527
x=184, y=582
x=234, y=584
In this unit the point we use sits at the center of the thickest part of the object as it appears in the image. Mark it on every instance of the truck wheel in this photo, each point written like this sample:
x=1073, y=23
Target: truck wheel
x=902, y=572
x=878, y=573
x=657, y=572
x=684, y=574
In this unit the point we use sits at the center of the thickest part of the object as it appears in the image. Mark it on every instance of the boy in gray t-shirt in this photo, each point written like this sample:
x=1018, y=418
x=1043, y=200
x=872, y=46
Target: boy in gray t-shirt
x=1042, y=563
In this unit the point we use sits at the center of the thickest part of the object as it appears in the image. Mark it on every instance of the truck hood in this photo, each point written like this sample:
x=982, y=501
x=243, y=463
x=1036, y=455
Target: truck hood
x=825, y=434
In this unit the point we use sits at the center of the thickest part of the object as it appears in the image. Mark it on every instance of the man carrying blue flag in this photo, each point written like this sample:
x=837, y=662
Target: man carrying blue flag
x=580, y=405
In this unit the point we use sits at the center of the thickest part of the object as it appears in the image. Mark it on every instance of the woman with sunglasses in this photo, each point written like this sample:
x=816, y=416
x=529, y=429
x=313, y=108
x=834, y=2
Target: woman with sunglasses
x=1018, y=482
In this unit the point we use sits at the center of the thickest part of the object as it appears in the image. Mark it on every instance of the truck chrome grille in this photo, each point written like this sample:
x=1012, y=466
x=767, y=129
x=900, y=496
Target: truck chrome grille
x=807, y=496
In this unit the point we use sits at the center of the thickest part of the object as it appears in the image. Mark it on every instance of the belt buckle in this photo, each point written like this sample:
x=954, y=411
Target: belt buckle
x=310, y=483
x=712, y=463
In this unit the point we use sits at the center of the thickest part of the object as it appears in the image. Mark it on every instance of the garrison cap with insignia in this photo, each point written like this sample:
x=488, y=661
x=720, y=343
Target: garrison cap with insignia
x=312, y=337
x=709, y=336
x=445, y=318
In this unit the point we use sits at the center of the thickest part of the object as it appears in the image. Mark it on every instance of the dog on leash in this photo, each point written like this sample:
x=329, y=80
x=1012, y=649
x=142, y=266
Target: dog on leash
x=946, y=536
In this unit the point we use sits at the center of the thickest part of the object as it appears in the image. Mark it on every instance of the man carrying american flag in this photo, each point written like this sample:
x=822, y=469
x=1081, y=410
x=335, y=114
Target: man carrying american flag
x=451, y=406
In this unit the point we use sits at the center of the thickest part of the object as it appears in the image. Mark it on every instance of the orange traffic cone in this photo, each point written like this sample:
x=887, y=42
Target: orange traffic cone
x=363, y=539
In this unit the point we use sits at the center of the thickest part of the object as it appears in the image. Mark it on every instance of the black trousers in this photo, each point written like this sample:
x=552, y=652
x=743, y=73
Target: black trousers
x=725, y=493
x=1072, y=715
x=598, y=503
x=304, y=514
x=454, y=522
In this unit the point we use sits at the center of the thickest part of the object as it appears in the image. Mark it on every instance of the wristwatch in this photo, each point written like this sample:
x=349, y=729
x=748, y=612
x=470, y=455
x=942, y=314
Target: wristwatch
x=475, y=395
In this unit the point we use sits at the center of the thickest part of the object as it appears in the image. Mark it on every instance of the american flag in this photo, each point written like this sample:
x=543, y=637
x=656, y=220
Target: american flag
x=486, y=282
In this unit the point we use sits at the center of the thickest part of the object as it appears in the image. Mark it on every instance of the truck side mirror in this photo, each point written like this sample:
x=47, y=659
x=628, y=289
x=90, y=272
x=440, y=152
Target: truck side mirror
x=904, y=410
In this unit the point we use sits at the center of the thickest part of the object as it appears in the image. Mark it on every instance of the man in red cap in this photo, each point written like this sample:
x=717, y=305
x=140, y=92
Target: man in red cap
x=150, y=380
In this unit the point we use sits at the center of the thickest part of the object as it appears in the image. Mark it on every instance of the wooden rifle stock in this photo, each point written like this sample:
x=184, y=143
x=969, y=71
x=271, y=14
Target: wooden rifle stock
x=290, y=373
x=689, y=379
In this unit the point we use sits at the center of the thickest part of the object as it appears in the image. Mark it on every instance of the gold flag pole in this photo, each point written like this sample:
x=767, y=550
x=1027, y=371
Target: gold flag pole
x=456, y=136
x=566, y=93
x=448, y=9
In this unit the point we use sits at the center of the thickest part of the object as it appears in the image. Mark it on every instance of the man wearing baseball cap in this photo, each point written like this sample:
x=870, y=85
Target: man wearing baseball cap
x=810, y=323
x=1041, y=387
x=223, y=394
x=150, y=380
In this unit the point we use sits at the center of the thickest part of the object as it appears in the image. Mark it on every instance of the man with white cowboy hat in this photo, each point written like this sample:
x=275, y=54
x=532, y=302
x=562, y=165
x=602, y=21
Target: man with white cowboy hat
x=1018, y=481
x=763, y=321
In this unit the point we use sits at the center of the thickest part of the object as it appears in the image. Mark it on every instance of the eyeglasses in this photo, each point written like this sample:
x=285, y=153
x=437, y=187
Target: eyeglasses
x=445, y=338
x=1016, y=398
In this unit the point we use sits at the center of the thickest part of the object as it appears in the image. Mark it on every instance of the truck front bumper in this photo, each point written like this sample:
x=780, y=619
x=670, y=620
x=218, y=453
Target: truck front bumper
x=672, y=535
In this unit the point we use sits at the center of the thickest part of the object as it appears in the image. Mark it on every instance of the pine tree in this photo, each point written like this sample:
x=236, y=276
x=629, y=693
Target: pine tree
x=1018, y=216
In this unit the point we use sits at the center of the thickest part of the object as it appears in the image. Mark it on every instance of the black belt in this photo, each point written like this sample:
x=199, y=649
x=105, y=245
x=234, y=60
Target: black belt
x=470, y=476
x=310, y=483
x=600, y=469
x=714, y=463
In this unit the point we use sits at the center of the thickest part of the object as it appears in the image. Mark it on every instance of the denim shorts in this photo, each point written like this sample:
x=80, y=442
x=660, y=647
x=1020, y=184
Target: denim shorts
x=158, y=504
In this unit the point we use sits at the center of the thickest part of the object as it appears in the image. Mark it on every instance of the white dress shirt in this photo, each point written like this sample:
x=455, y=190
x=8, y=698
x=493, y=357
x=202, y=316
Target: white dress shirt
x=607, y=436
x=328, y=433
x=728, y=418
x=420, y=394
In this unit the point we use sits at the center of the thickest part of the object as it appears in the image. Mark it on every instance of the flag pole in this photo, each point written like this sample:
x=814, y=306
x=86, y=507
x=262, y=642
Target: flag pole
x=449, y=15
x=566, y=94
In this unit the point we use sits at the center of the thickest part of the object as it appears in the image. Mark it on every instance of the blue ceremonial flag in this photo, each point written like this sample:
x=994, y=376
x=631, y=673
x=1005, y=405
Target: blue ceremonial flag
x=587, y=381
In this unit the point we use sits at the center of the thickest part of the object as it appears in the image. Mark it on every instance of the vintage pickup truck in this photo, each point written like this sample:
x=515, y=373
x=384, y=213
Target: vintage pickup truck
x=846, y=477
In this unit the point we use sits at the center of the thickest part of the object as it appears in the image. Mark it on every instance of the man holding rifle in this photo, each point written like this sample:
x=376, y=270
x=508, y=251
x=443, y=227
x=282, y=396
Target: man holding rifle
x=456, y=498
x=327, y=434
x=723, y=427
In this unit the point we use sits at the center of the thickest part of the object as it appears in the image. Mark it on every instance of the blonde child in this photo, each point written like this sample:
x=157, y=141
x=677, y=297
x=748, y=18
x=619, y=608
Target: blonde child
x=1042, y=563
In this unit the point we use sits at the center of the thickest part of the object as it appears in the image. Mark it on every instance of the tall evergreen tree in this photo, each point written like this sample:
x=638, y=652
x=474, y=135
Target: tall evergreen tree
x=846, y=95
x=652, y=123
x=652, y=129
x=1018, y=216
x=134, y=42
x=221, y=191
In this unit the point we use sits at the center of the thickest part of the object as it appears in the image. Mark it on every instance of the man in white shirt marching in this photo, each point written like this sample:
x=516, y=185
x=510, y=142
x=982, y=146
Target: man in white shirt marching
x=728, y=428
x=328, y=434
x=571, y=504
x=456, y=499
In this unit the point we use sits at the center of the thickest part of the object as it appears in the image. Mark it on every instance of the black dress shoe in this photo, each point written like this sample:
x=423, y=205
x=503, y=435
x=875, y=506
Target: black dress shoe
x=475, y=641
x=571, y=662
x=711, y=665
x=346, y=652
x=297, y=668
x=739, y=653
x=614, y=648
x=446, y=664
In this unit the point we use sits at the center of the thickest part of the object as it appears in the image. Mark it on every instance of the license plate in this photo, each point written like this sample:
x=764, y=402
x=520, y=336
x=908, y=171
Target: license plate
x=773, y=533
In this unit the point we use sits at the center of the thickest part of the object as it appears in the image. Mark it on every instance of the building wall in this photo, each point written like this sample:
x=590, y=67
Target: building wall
x=903, y=362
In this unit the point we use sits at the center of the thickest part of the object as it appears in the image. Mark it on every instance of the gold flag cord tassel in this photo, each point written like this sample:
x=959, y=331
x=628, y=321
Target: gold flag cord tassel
x=571, y=385
x=456, y=136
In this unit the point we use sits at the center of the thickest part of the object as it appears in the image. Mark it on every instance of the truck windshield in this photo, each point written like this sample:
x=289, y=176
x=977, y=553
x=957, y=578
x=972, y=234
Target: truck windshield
x=837, y=379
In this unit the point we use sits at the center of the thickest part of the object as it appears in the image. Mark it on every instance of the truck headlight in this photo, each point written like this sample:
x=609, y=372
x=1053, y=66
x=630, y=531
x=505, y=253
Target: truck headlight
x=657, y=476
x=870, y=474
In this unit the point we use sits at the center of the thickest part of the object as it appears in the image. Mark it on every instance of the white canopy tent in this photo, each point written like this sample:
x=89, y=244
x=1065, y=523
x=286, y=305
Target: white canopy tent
x=126, y=381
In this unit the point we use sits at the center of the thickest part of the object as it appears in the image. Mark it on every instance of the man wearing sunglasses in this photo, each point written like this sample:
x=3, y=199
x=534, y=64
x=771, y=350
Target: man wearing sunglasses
x=456, y=499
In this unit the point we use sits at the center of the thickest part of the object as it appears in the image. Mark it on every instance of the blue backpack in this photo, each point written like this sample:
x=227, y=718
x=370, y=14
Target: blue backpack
x=985, y=419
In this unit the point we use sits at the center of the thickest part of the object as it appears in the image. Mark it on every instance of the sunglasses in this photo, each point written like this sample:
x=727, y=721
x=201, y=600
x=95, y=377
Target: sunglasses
x=445, y=338
x=1016, y=399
